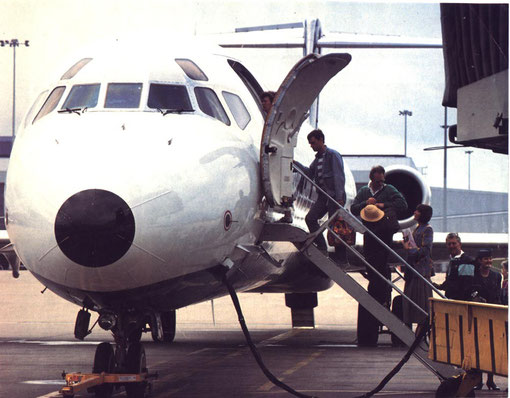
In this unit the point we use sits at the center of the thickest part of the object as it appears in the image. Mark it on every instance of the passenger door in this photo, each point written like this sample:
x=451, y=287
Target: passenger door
x=290, y=107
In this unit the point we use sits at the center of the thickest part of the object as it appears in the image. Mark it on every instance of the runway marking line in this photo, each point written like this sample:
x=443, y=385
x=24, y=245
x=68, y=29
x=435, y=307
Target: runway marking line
x=269, y=385
x=187, y=374
x=279, y=337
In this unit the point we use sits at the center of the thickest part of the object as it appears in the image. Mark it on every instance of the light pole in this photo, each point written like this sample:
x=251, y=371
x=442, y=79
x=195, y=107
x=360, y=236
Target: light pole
x=445, y=189
x=405, y=113
x=469, y=168
x=13, y=43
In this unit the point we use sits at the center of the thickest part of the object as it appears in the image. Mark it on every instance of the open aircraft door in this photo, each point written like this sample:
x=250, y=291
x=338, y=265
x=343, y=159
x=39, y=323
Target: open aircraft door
x=290, y=108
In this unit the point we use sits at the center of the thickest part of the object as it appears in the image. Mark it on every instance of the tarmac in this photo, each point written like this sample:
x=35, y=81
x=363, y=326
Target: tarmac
x=209, y=357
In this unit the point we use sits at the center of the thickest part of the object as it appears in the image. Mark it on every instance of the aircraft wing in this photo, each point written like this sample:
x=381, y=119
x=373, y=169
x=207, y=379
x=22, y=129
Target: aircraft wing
x=350, y=40
x=263, y=39
x=294, y=35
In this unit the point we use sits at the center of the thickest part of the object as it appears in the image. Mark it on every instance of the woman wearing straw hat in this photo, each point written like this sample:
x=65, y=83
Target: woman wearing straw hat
x=420, y=258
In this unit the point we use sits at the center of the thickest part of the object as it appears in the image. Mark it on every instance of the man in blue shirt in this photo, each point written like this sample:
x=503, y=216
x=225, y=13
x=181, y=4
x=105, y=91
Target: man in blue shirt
x=327, y=171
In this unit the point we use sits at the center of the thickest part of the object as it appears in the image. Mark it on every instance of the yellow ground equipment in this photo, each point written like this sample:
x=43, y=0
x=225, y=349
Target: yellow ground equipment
x=77, y=382
x=470, y=335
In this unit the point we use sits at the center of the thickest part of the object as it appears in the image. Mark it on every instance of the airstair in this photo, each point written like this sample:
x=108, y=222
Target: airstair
x=279, y=138
x=304, y=242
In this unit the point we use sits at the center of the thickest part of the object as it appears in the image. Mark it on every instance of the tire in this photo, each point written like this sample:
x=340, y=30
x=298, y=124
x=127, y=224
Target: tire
x=104, y=361
x=448, y=387
x=135, y=336
x=168, y=321
x=136, y=363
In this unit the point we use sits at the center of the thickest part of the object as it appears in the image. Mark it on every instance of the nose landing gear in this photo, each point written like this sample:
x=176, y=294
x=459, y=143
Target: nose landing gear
x=125, y=365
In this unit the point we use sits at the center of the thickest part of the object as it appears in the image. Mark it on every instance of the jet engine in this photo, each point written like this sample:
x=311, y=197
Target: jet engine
x=412, y=185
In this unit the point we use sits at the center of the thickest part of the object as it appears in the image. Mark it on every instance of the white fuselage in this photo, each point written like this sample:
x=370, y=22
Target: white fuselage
x=190, y=182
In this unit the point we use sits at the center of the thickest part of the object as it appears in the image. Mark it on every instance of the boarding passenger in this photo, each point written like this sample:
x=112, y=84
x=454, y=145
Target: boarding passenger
x=420, y=258
x=327, y=171
x=390, y=201
x=460, y=272
x=376, y=255
x=266, y=99
x=486, y=288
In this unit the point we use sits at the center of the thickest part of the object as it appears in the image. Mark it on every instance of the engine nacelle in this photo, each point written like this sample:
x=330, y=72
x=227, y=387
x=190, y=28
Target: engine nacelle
x=413, y=186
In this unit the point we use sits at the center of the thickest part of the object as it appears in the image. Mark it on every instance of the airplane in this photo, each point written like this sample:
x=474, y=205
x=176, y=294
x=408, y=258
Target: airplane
x=134, y=186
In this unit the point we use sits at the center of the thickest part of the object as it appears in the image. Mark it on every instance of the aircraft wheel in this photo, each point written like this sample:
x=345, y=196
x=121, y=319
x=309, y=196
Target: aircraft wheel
x=135, y=335
x=163, y=327
x=168, y=321
x=136, y=363
x=104, y=361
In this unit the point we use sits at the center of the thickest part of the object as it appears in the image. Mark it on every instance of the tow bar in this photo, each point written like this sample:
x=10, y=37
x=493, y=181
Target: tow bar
x=76, y=382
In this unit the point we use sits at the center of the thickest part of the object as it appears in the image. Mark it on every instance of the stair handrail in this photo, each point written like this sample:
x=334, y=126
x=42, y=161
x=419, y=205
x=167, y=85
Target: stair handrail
x=386, y=280
x=359, y=227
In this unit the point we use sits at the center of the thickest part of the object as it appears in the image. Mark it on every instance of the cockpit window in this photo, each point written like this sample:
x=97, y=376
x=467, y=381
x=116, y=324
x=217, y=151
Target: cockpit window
x=123, y=95
x=51, y=102
x=191, y=69
x=239, y=111
x=34, y=107
x=169, y=97
x=73, y=70
x=210, y=104
x=82, y=96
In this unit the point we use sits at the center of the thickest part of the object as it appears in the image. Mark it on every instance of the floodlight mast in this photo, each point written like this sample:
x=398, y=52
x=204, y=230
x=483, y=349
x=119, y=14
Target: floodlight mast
x=13, y=43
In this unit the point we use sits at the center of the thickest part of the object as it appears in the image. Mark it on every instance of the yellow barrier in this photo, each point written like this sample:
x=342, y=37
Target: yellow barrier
x=469, y=335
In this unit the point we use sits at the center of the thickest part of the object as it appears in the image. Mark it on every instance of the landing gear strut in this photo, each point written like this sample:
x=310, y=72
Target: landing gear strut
x=163, y=326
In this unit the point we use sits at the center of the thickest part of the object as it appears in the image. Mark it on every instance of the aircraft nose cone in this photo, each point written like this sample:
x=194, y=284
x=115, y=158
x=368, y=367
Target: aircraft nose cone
x=94, y=228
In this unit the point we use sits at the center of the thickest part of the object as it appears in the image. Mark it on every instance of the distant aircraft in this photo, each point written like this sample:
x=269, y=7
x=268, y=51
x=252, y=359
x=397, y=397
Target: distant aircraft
x=141, y=176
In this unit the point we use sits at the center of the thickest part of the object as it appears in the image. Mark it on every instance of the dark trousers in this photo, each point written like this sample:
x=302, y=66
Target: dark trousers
x=322, y=206
x=377, y=256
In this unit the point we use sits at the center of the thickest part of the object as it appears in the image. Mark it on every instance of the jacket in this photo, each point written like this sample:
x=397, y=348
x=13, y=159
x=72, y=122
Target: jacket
x=459, y=277
x=332, y=173
x=389, y=195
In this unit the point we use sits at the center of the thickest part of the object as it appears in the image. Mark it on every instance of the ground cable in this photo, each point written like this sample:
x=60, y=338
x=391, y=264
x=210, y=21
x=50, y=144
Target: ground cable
x=253, y=349
x=425, y=327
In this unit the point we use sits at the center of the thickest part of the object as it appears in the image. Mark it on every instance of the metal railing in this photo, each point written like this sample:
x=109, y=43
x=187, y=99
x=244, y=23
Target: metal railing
x=359, y=227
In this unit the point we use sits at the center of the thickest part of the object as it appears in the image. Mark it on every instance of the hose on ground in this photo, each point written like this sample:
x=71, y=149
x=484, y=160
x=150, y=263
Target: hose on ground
x=424, y=328
x=253, y=349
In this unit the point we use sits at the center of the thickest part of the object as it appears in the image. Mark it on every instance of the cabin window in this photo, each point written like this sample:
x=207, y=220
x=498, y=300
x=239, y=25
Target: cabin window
x=82, y=96
x=123, y=95
x=73, y=70
x=191, y=69
x=51, y=102
x=210, y=104
x=239, y=111
x=169, y=97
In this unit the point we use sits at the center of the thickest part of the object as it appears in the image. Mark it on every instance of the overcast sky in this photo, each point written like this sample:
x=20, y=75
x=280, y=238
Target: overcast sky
x=359, y=109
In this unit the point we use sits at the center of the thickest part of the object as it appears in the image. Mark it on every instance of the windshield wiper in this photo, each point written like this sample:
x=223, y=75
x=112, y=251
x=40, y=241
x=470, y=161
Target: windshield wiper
x=78, y=111
x=167, y=111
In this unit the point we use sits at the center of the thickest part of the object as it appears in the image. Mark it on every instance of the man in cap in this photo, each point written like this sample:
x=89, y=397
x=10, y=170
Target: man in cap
x=486, y=282
x=460, y=272
x=486, y=288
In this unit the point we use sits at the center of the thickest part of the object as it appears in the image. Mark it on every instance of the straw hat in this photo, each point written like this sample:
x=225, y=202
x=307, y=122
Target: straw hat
x=372, y=213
